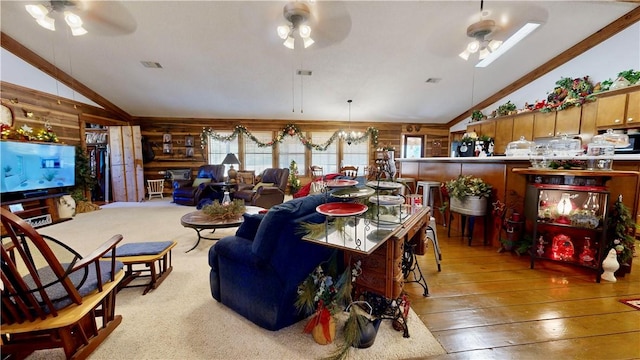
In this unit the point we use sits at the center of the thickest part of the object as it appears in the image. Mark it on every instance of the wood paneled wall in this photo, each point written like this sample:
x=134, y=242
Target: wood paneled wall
x=153, y=129
x=66, y=117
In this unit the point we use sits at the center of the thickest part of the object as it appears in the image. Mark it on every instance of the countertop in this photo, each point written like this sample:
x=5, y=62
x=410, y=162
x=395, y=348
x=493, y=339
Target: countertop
x=500, y=159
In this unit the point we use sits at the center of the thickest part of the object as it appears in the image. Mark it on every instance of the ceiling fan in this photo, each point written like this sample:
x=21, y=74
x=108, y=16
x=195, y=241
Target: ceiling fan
x=491, y=49
x=313, y=23
x=479, y=32
x=82, y=16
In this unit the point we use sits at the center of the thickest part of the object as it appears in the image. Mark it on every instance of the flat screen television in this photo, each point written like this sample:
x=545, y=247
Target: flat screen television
x=31, y=168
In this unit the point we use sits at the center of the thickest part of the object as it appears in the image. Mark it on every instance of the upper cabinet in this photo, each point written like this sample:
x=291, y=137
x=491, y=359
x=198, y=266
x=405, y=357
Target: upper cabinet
x=620, y=110
x=568, y=121
x=544, y=124
x=523, y=126
x=611, y=110
x=633, y=109
x=503, y=134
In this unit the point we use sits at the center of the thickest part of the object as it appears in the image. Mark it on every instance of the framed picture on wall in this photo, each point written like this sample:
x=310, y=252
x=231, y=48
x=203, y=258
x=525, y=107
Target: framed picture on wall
x=188, y=152
x=167, y=148
x=188, y=140
x=166, y=138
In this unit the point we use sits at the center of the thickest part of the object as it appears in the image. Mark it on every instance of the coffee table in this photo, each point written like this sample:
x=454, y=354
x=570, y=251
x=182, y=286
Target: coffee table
x=199, y=221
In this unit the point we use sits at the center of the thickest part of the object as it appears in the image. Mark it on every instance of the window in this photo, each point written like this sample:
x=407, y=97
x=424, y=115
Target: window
x=356, y=155
x=291, y=149
x=255, y=157
x=328, y=159
x=219, y=149
x=413, y=146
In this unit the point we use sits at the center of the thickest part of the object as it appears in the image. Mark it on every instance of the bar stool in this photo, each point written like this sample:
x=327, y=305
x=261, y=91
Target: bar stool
x=407, y=183
x=427, y=186
x=432, y=236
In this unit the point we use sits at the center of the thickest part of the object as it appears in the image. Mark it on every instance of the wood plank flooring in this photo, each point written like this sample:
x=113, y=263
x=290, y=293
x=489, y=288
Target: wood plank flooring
x=490, y=305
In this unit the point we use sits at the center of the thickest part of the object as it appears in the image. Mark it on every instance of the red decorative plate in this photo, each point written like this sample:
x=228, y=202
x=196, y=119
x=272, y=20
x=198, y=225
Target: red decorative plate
x=336, y=183
x=341, y=209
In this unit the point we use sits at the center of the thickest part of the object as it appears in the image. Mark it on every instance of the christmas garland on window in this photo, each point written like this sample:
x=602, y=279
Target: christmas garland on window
x=288, y=130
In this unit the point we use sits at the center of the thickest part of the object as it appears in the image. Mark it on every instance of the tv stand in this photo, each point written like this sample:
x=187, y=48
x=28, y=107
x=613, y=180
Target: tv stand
x=39, y=211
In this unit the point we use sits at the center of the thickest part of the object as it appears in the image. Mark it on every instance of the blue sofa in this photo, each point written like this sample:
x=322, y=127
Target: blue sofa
x=257, y=275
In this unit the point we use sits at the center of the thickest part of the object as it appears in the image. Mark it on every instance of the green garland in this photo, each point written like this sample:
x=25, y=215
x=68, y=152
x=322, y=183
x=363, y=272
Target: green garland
x=288, y=130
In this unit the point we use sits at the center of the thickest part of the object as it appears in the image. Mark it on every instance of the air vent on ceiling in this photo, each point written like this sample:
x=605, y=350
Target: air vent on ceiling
x=305, y=72
x=151, y=64
x=433, y=80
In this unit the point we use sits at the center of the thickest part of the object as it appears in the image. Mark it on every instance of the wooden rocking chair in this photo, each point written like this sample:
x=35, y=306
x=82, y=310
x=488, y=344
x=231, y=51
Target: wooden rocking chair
x=51, y=296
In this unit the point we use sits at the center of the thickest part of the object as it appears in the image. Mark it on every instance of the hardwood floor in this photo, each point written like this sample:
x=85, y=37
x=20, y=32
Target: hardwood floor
x=490, y=305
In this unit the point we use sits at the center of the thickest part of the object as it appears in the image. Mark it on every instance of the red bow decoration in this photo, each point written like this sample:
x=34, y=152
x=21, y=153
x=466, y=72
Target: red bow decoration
x=323, y=317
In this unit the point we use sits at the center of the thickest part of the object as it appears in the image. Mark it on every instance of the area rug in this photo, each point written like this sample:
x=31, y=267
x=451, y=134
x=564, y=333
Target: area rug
x=634, y=303
x=181, y=320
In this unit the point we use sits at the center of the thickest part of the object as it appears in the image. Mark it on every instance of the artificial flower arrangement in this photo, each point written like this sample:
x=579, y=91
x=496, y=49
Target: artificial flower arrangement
x=326, y=292
x=227, y=211
x=467, y=185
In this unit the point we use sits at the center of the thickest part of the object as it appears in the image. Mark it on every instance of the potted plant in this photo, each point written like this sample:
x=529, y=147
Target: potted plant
x=468, y=195
x=477, y=115
x=506, y=108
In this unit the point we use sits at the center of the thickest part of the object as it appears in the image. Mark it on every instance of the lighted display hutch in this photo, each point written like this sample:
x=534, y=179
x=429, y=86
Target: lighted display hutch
x=568, y=209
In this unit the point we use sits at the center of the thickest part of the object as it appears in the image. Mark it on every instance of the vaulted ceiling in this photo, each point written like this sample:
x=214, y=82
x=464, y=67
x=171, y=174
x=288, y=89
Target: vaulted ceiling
x=223, y=59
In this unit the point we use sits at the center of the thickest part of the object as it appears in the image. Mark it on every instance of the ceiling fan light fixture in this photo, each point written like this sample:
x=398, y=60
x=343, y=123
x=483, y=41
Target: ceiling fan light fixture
x=484, y=53
x=465, y=54
x=494, y=45
x=305, y=31
x=473, y=46
x=283, y=31
x=308, y=42
x=72, y=19
x=289, y=43
x=47, y=23
x=36, y=11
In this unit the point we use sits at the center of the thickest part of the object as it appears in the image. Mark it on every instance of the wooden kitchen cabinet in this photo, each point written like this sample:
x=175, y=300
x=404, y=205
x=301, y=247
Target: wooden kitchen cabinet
x=633, y=109
x=488, y=128
x=568, y=121
x=544, y=124
x=523, y=126
x=611, y=110
x=503, y=134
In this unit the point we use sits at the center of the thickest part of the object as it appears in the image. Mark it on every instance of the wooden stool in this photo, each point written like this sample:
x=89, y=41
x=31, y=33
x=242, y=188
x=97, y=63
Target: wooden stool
x=146, y=253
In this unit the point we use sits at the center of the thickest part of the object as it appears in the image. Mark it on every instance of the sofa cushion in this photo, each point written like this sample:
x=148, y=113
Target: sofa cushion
x=249, y=227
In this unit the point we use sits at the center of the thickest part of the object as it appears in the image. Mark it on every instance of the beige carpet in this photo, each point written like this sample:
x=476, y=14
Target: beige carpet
x=180, y=319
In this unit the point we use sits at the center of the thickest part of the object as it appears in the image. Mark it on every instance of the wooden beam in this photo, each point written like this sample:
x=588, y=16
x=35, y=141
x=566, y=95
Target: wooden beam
x=43, y=65
x=599, y=36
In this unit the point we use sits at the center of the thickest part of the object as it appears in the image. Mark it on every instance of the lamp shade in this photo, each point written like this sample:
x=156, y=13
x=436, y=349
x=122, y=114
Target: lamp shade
x=230, y=159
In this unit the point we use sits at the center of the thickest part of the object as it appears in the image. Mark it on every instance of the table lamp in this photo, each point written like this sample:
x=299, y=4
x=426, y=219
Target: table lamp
x=231, y=159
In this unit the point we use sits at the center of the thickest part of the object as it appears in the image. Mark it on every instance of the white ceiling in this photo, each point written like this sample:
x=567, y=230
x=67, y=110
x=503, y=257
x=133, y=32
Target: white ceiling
x=223, y=59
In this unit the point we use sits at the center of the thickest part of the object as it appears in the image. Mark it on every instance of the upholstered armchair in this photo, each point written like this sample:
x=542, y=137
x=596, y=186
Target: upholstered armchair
x=191, y=192
x=268, y=191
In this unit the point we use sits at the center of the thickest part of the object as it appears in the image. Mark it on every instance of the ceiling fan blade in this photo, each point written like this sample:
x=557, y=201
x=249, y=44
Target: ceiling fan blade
x=107, y=18
x=330, y=23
